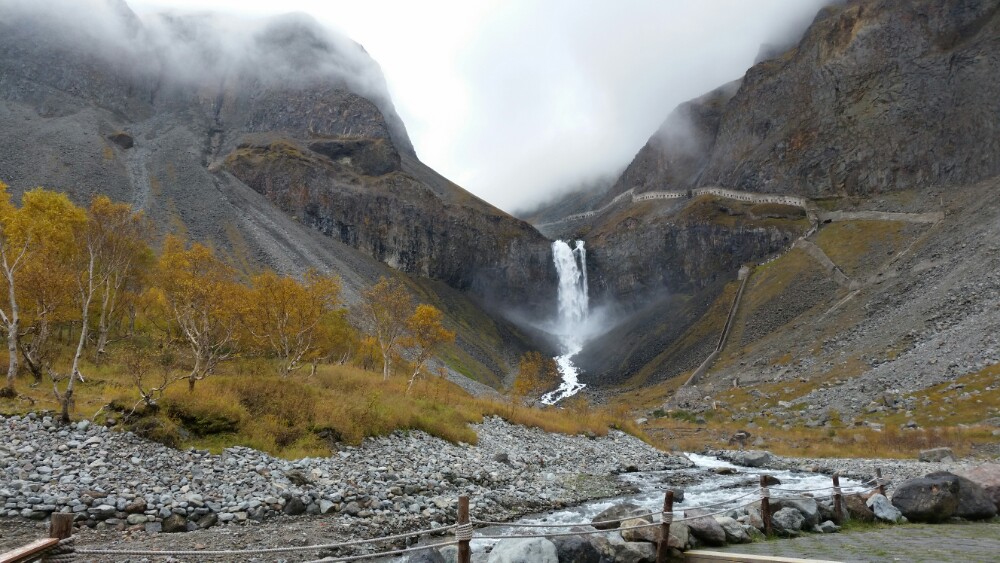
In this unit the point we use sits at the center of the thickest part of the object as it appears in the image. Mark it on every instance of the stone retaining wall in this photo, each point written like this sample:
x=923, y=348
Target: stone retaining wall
x=748, y=197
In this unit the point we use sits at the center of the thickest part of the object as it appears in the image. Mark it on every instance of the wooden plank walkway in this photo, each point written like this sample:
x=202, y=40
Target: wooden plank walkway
x=28, y=552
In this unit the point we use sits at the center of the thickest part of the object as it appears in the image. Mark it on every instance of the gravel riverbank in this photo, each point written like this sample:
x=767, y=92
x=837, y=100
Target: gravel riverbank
x=117, y=482
x=127, y=492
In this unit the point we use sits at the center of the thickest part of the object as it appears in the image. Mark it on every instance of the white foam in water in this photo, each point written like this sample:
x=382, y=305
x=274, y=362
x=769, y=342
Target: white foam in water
x=711, y=489
x=574, y=309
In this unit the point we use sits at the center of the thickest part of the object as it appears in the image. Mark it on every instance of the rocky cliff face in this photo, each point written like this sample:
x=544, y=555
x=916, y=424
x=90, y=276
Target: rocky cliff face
x=644, y=255
x=877, y=96
x=660, y=266
x=181, y=114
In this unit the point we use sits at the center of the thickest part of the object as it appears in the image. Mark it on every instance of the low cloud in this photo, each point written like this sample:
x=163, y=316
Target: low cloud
x=204, y=49
x=515, y=100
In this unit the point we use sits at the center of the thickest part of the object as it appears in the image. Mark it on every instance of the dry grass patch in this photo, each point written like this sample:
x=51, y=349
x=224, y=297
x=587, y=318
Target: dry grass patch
x=302, y=416
x=969, y=399
x=850, y=243
x=770, y=280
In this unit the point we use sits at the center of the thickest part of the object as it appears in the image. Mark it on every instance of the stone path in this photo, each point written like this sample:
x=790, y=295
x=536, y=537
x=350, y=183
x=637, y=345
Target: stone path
x=965, y=542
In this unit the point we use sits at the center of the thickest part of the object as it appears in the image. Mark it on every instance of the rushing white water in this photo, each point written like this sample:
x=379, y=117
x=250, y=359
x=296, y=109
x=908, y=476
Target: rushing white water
x=701, y=487
x=574, y=308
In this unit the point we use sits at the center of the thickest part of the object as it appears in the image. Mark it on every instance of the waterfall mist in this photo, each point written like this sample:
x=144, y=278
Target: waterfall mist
x=570, y=327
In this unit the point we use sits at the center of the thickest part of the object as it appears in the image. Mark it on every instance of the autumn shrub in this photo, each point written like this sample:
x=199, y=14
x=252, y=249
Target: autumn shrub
x=215, y=409
x=358, y=405
x=289, y=400
x=158, y=429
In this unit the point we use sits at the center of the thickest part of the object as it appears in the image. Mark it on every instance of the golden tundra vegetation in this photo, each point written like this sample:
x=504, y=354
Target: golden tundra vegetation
x=178, y=345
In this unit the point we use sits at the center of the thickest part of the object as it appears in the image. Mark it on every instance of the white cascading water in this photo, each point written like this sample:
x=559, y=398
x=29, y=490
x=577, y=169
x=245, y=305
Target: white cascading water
x=574, y=308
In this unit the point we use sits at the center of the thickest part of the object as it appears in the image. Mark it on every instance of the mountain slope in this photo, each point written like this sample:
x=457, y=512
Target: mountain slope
x=274, y=140
x=877, y=97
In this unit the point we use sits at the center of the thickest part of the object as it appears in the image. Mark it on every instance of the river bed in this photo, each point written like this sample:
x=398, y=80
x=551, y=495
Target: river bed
x=701, y=485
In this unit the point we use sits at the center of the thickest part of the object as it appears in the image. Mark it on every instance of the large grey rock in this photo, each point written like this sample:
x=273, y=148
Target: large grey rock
x=680, y=536
x=806, y=506
x=530, y=550
x=754, y=517
x=883, y=509
x=927, y=499
x=755, y=533
x=733, y=529
x=937, y=454
x=426, y=556
x=857, y=509
x=208, y=520
x=705, y=528
x=787, y=522
x=826, y=511
x=828, y=527
x=615, y=514
x=973, y=501
x=755, y=458
x=135, y=519
x=576, y=548
x=614, y=549
x=646, y=533
x=986, y=476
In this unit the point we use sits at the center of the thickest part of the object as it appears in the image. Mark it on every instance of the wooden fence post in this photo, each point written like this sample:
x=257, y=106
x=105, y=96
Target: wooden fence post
x=879, y=482
x=765, y=505
x=61, y=525
x=838, y=499
x=464, y=551
x=663, y=547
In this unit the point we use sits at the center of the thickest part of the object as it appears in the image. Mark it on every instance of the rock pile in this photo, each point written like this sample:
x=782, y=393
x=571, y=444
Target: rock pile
x=406, y=480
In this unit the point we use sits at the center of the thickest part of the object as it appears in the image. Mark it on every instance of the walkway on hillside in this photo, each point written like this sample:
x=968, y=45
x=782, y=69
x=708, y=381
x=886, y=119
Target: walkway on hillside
x=930, y=217
x=632, y=198
x=967, y=542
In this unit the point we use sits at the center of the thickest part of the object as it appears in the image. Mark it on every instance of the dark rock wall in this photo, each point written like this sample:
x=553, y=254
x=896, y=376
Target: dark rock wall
x=677, y=257
x=401, y=222
x=879, y=95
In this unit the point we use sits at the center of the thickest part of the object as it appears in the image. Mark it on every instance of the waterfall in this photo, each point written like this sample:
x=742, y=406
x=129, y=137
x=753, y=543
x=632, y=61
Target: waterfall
x=574, y=308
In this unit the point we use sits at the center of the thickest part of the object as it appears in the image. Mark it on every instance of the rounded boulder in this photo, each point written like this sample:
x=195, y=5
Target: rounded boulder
x=927, y=499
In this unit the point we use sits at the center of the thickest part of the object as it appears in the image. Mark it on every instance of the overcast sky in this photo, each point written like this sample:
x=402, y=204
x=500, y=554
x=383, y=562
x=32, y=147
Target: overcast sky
x=516, y=100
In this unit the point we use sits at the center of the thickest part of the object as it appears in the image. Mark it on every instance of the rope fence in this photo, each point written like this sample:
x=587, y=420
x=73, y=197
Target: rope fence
x=60, y=548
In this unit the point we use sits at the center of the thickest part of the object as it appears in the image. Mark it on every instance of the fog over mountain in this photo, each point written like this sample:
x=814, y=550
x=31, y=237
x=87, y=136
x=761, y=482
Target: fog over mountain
x=519, y=101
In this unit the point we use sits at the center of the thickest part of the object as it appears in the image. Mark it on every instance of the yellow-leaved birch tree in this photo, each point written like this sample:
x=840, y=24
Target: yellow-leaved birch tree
x=286, y=315
x=201, y=295
x=385, y=307
x=427, y=335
